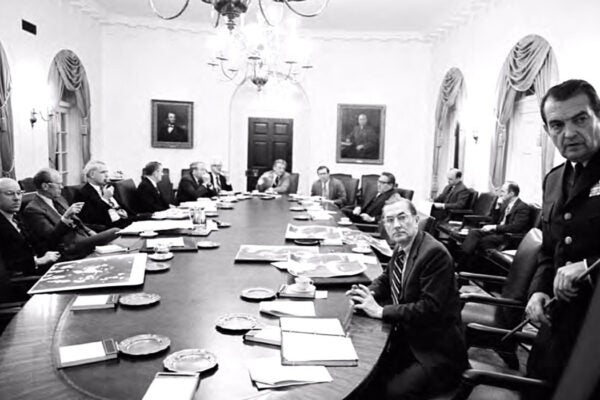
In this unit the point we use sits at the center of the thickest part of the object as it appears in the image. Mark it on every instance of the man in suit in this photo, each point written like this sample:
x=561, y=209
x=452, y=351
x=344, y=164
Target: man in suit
x=169, y=131
x=54, y=225
x=16, y=252
x=455, y=196
x=275, y=181
x=101, y=210
x=570, y=226
x=370, y=211
x=150, y=198
x=512, y=216
x=329, y=188
x=195, y=184
x=417, y=293
x=364, y=142
x=218, y=177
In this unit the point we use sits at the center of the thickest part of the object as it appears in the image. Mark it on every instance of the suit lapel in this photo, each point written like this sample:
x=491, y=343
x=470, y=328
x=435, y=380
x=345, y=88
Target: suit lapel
x=589, y=176
x=50, y=212
x=410, y=261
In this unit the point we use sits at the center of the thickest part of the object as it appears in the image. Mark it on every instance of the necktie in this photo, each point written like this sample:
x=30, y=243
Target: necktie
x=397, y=267
x=59, y=207
x=325, y=191
x=216, y=182
x=276, y=181
x=506, y=212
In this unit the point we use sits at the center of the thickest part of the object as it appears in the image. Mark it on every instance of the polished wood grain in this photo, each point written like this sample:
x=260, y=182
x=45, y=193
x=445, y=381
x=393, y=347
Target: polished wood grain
x=195, y=291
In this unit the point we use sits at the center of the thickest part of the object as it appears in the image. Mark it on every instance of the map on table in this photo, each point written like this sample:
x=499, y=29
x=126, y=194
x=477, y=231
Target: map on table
x=313, y=232
x=353, y=237
x=97, y=272
x=251, y=252
x=326, y=265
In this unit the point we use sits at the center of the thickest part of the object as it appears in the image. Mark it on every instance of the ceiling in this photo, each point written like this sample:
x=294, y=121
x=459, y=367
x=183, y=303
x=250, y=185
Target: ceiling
x=415, y=16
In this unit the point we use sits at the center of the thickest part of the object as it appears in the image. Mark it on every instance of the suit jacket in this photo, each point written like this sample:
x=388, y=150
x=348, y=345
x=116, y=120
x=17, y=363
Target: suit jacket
x=518, y=220
x=95, y=212
x=267, y=182
x=150, y=199
x=374, y=204
x=427, y=317
x=189, y=189
x=455, y=200
x=222, y=182
x=337, y=191
x=15, y=251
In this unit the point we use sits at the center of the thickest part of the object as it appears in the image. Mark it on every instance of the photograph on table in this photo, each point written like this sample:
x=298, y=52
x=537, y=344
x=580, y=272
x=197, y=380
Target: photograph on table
x=360, y=133
x=266, y=253
x=172, y=124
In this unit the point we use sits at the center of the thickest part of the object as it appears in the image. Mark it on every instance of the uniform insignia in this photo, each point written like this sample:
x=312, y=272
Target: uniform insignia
x=595, y=190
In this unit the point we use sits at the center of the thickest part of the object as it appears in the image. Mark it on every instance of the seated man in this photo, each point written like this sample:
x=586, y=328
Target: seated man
x=101, y=210
x=195, y=184
x=512, y=216
x=218, y=177
x=370, y=211
x=455, y=196
x=275, y=181
x=16, y=252
x=329, y=188
x=54, y=225
x=418, y=294
x=150, y=199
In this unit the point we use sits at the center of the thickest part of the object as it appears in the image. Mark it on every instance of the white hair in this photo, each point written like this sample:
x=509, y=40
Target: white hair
x=92, y=166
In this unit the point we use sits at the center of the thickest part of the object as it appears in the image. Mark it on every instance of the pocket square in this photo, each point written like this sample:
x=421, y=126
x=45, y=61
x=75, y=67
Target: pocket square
x=595, y=190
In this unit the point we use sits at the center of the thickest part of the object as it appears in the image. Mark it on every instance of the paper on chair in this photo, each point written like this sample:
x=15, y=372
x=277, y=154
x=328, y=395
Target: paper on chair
x=168, y=242
x=288, y=308
x=269, y=372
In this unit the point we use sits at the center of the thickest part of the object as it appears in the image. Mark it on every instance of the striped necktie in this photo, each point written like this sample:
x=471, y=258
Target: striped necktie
x=397, y=267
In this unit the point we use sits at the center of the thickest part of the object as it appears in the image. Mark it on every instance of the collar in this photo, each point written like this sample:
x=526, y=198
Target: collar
x=512, y=202
x=97, y=188
x=408, y=247
x=584, y=163
x=46, y=199
x=152, y=182
x=9, y=217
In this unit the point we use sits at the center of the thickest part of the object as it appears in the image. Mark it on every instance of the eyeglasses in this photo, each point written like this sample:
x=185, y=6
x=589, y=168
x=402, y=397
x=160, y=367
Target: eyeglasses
x=401, y=218
x=55, y=183
x=382, y=182
x=13, y=193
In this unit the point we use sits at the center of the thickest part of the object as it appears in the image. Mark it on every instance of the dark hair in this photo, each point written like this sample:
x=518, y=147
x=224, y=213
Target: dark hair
x=569, y=89
x=391, y=178
x=151, y=168
x=513, y=187
x=44, y=175
x=409, y=204
x=322, y=167
x=280, y=161
x=457, y=173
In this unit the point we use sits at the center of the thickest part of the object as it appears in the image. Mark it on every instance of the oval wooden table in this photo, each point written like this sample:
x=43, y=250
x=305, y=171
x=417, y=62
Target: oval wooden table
x=195, y=291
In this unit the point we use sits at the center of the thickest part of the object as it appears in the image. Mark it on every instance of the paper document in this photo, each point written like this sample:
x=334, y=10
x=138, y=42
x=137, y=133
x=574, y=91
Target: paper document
x=168, y=242
x=109, y=248
x=269, y=372
x=319, y=215
x=315, y=349
x=322, y=326
x=284, y=307
x=140, y=226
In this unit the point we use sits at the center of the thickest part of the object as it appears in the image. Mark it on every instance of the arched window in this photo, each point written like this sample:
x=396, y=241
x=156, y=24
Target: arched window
x=69, y=131
x=446, y=151
x=529, y=69
x=7, y=150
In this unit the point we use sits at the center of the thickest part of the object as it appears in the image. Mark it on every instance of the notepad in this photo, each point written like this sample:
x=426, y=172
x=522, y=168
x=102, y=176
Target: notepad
x=172, y=386
x=268, y=372
x=280, y=308
x=87, y=353
x=268, y=335
x=318, y=326
x=95, y=302
x=168, y=242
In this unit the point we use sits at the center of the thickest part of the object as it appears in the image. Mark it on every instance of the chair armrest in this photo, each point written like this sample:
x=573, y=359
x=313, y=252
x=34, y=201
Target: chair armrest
x=493, y=301
x=498, y=333
x=459, y=214
x=475, y=220
x=369, y=228
x=482, y=277
x=512, y=240
x=474, y=377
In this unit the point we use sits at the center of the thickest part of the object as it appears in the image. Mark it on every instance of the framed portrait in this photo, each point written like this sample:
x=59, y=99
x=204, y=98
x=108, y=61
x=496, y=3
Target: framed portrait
x=172, y=124
x=360, y=133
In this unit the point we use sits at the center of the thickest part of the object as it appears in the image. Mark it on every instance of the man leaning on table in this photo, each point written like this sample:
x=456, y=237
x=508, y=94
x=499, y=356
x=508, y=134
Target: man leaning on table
x=418, y=294
x=275, y=181
x=329, y=188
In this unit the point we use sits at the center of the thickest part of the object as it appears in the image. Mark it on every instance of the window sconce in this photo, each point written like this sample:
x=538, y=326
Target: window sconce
x=33, y=118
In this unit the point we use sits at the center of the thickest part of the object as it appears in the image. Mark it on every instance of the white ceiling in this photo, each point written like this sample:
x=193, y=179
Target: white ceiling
x=415, y=16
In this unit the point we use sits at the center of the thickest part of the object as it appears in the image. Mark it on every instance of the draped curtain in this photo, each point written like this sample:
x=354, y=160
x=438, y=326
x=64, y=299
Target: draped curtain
x=530, y=64
x=67, y=73
x=7, y=150
x=450, y=98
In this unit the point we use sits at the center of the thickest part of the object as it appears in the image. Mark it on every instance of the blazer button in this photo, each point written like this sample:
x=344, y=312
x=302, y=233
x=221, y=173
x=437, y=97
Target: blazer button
x=568, y=240
x=568, y=216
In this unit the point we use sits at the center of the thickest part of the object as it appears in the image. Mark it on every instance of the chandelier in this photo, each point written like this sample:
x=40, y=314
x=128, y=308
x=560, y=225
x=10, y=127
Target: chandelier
x=231, y=10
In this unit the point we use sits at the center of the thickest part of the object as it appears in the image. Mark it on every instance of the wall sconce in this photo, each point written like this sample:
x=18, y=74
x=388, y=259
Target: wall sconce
x=475, y=136
x=33, y=118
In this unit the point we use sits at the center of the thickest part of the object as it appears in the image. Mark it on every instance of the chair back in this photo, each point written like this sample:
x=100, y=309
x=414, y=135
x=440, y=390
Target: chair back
x=351, y=186
x=27, y=197
x=484, y=203
x=368, y=186
x=185, y=172
x=426, y=223
x=70, y=192
x=126, y=194
x=341, y=176
x=294, y=178
x=165, y=186
x=472, y=198
x=535, y=214
x=27, y=185
x=405, y=193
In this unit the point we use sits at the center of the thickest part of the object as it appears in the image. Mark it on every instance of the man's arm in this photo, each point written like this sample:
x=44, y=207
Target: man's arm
x=380, y=288
x=46, y=235
x=284, y=185
x=314, y=189
x=460, y=203
x=264, y=182
x=519, y=222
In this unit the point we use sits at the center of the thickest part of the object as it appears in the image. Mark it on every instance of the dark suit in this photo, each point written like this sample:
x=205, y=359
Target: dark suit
x=95, y=212
x=571, y=232
x=16, y=252
x=222, y=182
x=337, y=191
x=454, y=198
x=372, y=205
x=150, y=199
x=177, y=134
x=190, y=189
x=427, y=325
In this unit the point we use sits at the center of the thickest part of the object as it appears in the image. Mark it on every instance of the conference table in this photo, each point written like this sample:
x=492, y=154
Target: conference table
x=198, y=288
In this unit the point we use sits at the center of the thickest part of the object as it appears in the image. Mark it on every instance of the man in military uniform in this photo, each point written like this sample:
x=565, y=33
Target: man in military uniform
x=570, y=224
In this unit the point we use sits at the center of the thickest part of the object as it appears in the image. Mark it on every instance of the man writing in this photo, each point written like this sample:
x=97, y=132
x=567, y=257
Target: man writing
x=418, y=294
x=455, y=196
x=328, y=188
x=275, y=181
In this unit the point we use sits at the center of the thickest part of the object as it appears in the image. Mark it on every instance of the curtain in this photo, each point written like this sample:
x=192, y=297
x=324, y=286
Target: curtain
x=67, y=73
x=450, y=98
x=7, y=150
x=530, y=64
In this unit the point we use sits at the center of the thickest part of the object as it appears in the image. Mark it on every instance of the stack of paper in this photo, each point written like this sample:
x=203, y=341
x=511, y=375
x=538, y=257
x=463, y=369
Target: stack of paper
x=140, y=226
x=94, y=302
x=109, y=249
x=280, y=308
x=165, y=242
x=87, y=353
x=267, y=335
x=319, y=215
x=269, y=373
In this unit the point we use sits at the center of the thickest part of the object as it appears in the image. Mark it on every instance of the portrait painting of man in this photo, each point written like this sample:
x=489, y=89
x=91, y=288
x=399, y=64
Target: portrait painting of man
x=172, y=123
x=360, y=133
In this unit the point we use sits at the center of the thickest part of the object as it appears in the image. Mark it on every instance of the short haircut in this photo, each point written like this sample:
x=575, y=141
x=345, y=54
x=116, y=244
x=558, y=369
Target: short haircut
x=92, y=166
x=391, y=178
x=151, y=168
x=569, y=89
x=195, y=165
x=44, y=175
x=322, y=167
x=513, y=187
x=280, y=161
x=411, y=207
x=216, y=161
x=457, y=173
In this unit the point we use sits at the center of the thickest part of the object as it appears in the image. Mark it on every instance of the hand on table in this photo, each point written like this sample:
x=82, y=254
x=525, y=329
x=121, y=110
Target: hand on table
x=367, y=218
x=356, y=210
x=363, y=300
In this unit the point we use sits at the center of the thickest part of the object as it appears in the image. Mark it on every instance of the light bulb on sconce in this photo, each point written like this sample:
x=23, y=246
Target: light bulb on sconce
x=33, y=116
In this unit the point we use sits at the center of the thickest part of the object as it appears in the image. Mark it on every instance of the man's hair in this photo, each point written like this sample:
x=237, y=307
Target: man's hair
x=391, y=178
x=195, y=165
x=513, y=187
x=322, y=167
x=457, y=172
x=280, y=161
x=411, y=207
x=92, y=166
x=151, y=168
x=569, y=89
x=44, y=175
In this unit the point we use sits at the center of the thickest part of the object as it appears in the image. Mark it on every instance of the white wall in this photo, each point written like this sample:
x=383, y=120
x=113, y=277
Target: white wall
x=59, y=26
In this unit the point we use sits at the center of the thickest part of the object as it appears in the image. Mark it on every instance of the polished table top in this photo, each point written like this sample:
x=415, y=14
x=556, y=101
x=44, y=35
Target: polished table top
x=195, y=291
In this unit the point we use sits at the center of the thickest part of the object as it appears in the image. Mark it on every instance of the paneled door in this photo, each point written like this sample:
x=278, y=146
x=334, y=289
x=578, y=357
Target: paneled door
x=268, y=140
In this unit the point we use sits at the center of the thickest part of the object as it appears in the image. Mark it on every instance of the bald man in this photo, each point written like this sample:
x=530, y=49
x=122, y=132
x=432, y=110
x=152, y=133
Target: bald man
x=455, y=196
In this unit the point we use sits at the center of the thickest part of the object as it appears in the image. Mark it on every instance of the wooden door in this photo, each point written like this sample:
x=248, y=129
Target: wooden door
x=268, y=140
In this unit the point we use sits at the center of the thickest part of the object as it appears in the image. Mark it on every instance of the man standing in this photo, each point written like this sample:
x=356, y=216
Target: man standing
x=364, y=142
x=170, y=131
x=150, y=199
x=455, y=196
x=417, y=293
x=571, y=232
x=275, y=181
x=195, y=184
x=218, y=177
x=329, y=188
x=370, y=211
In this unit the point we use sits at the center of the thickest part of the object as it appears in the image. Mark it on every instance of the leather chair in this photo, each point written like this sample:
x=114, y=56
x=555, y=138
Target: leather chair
x=27, y=197
x=69, y=192
x=126, y=195
x=351, y=186
x=341, y=176
x=368, y=186
x=294, y=178
x=166, y=187
x=405, y=193
x=482, y=207
x=27, y=185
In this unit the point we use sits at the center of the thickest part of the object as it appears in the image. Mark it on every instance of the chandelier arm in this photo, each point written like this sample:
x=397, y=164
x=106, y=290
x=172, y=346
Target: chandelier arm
x=217, y=20
x=264, y=14
x=151, y=2
x=314, y=14
x=229, y=77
